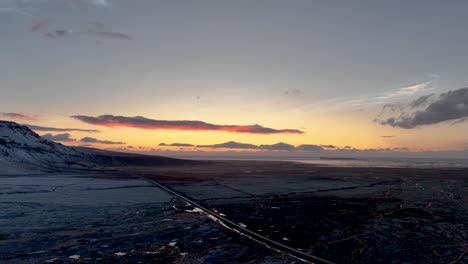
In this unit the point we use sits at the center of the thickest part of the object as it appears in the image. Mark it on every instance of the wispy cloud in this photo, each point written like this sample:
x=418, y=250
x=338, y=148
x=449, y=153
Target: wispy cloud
x=294, y=92
x=109, y=35
x=39, y=25
x=383, y=98
x=66, y=137
x=58, y=33
x=15, y=10
x=147, y=123
x=375, y=98
x=98, y=141
x=414, y=89
x=19, y=116
x=56, y=129
x=450, y=106
x=103, y=3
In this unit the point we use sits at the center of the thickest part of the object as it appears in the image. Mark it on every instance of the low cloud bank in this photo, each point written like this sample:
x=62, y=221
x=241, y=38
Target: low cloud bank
x=98, y=141
x=59, y=137
x=281, y=146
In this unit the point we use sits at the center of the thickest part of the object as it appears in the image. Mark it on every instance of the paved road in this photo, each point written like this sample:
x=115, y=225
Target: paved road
x=74, y=217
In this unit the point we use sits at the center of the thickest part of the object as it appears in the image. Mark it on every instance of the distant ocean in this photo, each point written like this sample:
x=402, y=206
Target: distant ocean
x=389, y=162
x=355, y=162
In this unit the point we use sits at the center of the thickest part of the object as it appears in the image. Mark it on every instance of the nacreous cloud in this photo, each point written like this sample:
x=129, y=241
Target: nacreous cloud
x=146, y=123
x=450, y=106
x=95, y=140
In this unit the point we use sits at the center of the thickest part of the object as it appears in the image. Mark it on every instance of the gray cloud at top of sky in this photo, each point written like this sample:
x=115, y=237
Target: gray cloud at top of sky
x=25, y=7
x=21, y=7
x=66, y=137
x=56, y=129
x=449, y=106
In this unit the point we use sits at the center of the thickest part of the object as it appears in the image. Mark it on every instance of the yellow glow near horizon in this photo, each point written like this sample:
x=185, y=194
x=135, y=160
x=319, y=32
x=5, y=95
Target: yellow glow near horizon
x=336, y=130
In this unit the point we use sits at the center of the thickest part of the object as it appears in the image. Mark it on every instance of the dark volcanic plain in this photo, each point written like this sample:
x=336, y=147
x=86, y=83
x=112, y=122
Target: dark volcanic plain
x=345, y=215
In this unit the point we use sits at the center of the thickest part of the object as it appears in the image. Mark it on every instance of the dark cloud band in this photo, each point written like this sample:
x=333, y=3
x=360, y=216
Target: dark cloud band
x=98, y=141
x=146, y=123
x=450, y=106
x=55, y=129
x=59, y=137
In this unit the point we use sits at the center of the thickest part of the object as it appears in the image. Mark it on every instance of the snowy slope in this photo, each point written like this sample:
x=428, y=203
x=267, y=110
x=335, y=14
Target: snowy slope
x=22, y=149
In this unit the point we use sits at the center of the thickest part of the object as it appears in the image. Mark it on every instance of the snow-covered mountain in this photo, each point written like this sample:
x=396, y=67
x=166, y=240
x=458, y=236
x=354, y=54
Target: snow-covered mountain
x=24, y=151
x=21, y=149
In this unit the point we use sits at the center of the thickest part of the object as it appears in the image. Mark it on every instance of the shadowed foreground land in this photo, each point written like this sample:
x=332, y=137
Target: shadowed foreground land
x=346, y=215
x=79, y=218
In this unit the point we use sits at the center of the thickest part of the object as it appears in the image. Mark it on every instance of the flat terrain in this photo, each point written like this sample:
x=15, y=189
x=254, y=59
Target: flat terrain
x=68, y=218
x=346, y=215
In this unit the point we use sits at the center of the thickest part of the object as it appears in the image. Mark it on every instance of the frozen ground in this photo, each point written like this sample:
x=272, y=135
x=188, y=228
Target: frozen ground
x=72, y=218
x=347, y=215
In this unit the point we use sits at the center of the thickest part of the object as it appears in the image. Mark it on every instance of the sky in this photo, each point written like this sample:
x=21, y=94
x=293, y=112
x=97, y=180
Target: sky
x=343, y=77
